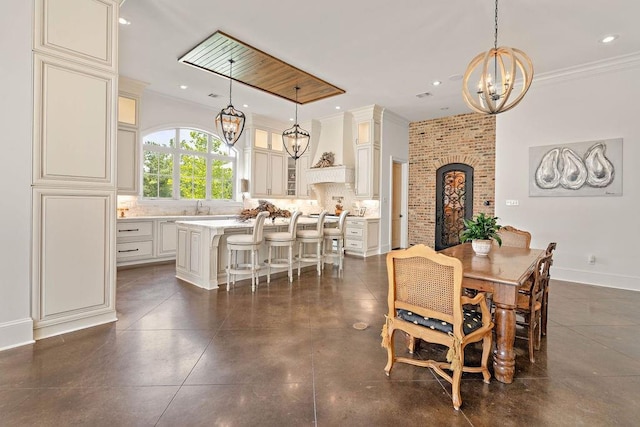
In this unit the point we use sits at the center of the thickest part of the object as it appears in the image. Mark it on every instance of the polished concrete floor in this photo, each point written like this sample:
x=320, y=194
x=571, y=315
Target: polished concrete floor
x=290, y=356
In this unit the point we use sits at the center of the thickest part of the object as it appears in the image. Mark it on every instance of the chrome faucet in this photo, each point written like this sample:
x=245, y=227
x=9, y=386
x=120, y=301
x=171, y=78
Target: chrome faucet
x=199, y=208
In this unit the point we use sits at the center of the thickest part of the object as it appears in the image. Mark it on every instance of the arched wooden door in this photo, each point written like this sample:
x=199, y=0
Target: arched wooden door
x=454, y=202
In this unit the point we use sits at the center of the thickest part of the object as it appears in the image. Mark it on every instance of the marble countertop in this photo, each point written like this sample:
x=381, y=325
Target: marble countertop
x=233, y=223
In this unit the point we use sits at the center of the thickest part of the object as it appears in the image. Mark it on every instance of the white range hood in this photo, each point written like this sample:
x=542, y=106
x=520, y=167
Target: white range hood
x=336, y=136
x=340, y=174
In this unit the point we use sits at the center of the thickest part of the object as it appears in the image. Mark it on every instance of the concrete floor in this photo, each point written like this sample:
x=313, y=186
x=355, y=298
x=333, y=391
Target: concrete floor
x=289, y=356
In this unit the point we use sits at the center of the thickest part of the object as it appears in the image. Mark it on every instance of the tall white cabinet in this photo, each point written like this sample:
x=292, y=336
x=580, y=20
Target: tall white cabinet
x=128, y=163
x=265, y=159
x=367, y=122
x=74, y=158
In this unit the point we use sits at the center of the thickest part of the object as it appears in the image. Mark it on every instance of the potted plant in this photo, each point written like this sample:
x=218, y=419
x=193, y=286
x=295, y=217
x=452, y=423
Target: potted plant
x=481, y=230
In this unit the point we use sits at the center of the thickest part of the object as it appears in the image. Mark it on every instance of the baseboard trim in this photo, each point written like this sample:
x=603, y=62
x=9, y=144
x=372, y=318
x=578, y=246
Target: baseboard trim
x=51, y=330
x=16, y=333
x=607, y=280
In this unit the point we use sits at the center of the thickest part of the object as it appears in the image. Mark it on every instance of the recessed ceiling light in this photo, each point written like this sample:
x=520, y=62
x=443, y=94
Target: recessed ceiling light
x=436, y=83
x=609, y=38
x=424, y=95
x=337, y=107
x=183, y=87
x=123, y=21
x=290, y=119
x=245, y=105
x=444, y=108
x=455, y=77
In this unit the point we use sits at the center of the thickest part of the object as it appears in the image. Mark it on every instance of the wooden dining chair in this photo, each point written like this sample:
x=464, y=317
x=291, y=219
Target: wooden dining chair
x=529, y=306
x=426, y=302
x=513, y=237
x=545, y=300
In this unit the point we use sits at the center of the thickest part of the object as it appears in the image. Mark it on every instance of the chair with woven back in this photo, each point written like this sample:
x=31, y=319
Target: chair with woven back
x=426, y=302
x=513, y=237
x=529, y=306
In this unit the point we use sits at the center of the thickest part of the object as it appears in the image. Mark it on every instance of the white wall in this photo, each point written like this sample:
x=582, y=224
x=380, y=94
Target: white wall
x=16, y=326
x=161, y=111
x=597, y=103
x=394, y=147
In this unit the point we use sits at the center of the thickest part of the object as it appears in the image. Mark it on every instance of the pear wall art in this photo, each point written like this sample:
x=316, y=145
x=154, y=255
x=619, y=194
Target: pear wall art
x=591, y=168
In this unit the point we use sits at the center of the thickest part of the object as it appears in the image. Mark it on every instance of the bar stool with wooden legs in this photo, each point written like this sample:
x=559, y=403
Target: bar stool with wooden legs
x=282, y=239
x=337, y=234
x=246, y=242
x=311, y=236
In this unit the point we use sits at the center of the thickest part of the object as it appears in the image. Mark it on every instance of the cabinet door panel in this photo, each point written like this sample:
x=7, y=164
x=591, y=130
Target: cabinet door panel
x=278, y=175
x=73, y=267
x=181, y=258
x=74, y=127
x=194, y=241
x=260, y=173
x=127, y=161
x=167, y=238
x=375, y=172
x=86, y=35
x=363, y=172
x=301, y=177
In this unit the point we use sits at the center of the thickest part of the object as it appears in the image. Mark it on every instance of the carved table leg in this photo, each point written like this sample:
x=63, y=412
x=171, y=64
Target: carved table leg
x=504, y=357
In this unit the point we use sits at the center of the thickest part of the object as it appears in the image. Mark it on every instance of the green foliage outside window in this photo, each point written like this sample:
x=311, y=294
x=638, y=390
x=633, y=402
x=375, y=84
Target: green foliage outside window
x=158, y=177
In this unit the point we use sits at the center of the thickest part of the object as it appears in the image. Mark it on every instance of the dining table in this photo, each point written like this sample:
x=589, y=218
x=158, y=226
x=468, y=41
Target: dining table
x=501, y=273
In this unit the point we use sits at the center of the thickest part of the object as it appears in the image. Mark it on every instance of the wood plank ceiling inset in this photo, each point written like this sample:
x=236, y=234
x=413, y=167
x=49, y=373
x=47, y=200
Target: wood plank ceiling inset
x=257, y=69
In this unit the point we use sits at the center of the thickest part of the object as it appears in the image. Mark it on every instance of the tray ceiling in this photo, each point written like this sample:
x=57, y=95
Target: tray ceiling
x=257, y=69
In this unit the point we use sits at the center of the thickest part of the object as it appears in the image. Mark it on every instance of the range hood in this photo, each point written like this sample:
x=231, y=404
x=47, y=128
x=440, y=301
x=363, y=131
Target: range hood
x=336, y=136
x=339, y=174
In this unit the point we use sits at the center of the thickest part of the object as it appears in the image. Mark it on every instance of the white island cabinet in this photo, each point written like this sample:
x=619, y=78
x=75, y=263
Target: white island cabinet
x=201, y=256
x=362, y=236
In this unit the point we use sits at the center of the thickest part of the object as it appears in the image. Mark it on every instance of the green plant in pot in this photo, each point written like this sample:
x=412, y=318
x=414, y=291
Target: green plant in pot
x=481, y=230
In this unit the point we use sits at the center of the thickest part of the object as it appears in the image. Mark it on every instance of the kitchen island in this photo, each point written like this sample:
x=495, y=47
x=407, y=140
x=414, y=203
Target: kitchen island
x=201, y=256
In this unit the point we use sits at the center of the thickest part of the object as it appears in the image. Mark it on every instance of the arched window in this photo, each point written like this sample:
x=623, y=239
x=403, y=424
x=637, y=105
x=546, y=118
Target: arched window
x=185, y=163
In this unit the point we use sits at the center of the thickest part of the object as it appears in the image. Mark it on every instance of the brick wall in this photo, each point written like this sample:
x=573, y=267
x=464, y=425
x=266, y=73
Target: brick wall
x=466, y=138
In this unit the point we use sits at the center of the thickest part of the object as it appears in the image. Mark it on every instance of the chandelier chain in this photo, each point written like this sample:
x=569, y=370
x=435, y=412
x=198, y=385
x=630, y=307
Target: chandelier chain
x=231, y=61
x=495, y=36
x=296, y=122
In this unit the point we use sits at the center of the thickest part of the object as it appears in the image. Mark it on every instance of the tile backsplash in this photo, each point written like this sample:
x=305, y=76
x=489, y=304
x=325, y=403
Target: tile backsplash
x=326, y=198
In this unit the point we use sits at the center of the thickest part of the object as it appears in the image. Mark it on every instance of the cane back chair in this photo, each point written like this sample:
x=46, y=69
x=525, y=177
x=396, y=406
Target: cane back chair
x=426, y=302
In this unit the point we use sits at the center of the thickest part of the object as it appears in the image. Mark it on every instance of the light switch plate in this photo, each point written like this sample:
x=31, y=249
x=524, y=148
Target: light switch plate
x=512, y=203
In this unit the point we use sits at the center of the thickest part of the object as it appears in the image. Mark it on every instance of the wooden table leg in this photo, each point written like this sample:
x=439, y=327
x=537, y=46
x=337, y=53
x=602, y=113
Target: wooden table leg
x=504, y=357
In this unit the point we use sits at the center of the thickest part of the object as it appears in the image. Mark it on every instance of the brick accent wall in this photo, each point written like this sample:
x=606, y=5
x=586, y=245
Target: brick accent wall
x=465, y=138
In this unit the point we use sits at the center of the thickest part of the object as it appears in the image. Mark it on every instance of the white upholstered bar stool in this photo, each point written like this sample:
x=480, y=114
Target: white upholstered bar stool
x=337, y=234
x=311, y=236
x=246, y=242
x=282, y=239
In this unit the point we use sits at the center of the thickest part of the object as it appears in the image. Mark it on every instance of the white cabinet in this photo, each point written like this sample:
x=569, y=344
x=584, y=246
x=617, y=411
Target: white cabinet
x=134, y=241
x=74, y=164
x=267, y=174
x=128, y=164
x=167, y=238
x=368, y=131
x=297, y=181
x=147, y=240
x=266, y=160
x=362, y=236
x=140, y=241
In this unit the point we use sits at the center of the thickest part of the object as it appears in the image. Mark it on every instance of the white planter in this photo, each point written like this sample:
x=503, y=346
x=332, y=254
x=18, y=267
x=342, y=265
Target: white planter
x=481, y=247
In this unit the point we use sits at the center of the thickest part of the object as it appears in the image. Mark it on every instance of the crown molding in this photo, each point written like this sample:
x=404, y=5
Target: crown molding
x=625, y=62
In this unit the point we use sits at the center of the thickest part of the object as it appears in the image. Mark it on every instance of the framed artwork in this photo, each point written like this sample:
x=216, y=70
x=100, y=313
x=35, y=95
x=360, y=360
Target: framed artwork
x=590, y=168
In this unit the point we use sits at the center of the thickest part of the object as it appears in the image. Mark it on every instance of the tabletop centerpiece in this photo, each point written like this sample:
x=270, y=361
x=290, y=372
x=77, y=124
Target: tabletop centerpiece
x=264, y=205
x=481, y=230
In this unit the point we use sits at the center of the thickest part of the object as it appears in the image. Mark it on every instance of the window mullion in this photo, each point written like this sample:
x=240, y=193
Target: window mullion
x=177, y=158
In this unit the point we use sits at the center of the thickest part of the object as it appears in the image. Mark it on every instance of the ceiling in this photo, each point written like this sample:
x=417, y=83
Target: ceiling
x=378, y=51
